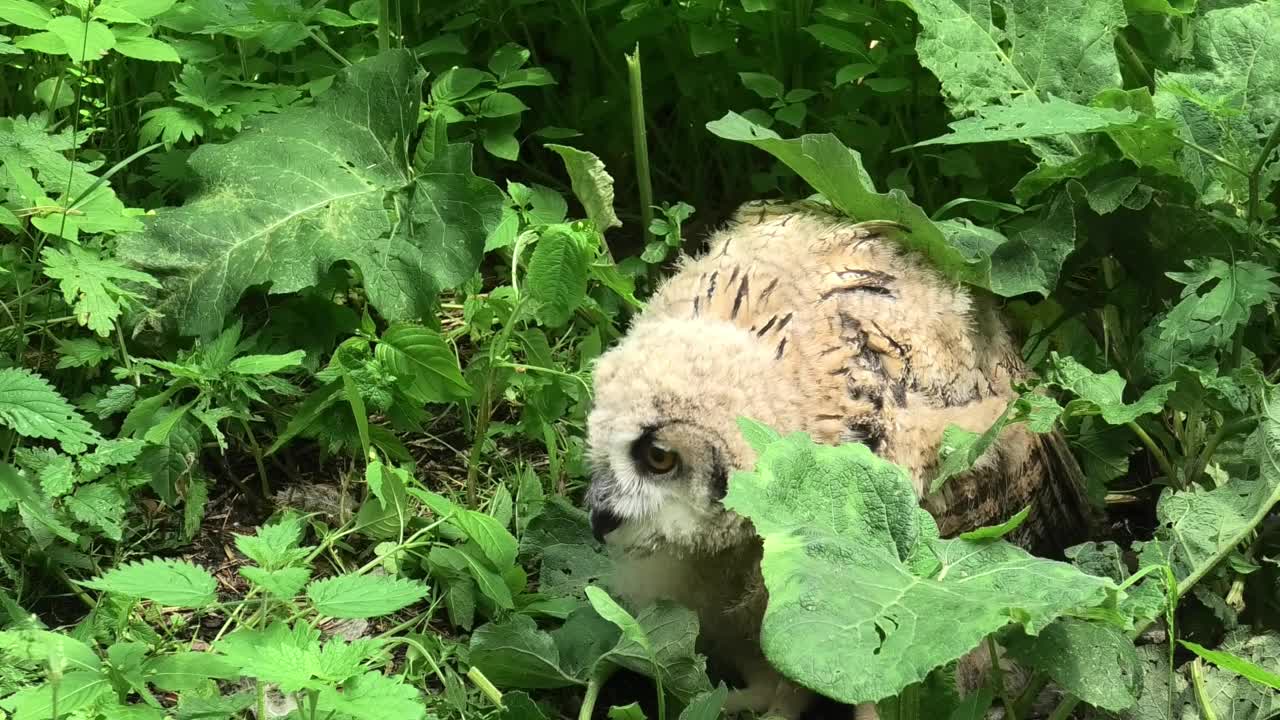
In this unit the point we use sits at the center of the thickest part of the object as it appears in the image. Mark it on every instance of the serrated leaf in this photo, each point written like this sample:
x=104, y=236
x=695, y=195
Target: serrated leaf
x=168, y=582
x=32, y=408
x=557, y=276
x=284, y=583
x=100, y=505
x=108, y=454
x=857, y=577
x=423, y=362
x=88, y=283
x=58, y=476
x=274, y=545
x=285, y=223
x=363, y=596
x=592, y=185
x=373, y=696
x=1105, y=393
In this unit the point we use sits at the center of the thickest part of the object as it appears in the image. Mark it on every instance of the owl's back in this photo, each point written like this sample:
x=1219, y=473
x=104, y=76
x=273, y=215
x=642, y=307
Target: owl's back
x=872, y=345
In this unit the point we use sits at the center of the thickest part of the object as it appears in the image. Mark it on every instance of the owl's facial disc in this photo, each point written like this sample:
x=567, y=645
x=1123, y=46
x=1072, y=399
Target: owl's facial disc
x=656, y=484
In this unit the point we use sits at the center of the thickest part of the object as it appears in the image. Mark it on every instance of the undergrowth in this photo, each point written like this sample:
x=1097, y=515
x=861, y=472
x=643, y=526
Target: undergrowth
x=299, y=303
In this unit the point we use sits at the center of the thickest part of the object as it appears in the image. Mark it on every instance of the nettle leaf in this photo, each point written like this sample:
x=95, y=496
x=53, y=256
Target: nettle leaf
x=1104, y=394
x=168, y=582
x=275, y=545
x=32, y=408
x=1062, y=49
x=1097, y=663
x=284, y=583
x=372, y=696
x=592, y=185
x=423, y=362
x=864, y=599
x=261, y=220
x=1026, y=117
x=364, y=596
x=557, y=276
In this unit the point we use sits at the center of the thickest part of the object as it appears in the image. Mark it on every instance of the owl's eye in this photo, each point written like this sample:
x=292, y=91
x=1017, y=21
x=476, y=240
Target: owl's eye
x=653, y=458
x=660, y=461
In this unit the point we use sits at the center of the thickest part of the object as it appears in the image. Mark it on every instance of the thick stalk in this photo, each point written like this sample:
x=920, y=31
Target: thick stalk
x=384, y=25
x=640, y=140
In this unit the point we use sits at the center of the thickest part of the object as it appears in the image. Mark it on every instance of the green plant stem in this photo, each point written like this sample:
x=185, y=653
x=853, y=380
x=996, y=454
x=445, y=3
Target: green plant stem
x=329, y=48
x=998, y=674
x=1255, y=177
x=640, y=141
x=592, y=694
x=1161, y=459
x=1135, y=62
x=384, y=25
x=264, y=484
x=1212, y=155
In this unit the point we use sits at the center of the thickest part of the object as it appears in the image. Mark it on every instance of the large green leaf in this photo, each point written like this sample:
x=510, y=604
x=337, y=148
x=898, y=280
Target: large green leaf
x=988, y=53
x=1227, y=99
x=1093, y=661
x=364, y=596
x=557, y=278
x=864, y=599
x=423, y=362
x=310, y=186
x=1026, y=117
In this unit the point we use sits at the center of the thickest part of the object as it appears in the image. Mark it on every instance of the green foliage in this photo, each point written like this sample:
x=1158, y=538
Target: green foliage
x=341, y=271
x=855, y=569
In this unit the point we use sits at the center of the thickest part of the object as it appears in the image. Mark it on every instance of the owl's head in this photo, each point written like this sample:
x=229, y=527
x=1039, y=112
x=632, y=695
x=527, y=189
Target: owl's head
x=663, y=435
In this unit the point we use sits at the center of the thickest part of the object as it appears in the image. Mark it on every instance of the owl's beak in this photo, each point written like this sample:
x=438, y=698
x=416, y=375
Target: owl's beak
x=603, y=522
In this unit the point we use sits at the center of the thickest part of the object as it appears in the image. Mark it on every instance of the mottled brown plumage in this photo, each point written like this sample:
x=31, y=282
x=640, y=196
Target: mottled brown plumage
x=804, y=321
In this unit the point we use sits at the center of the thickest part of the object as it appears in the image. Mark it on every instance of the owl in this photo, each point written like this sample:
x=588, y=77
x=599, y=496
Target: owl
x=805, y=321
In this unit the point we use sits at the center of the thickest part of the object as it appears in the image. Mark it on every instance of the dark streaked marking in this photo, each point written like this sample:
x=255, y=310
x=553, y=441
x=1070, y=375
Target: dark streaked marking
x=898, y=347
x=719, y=475
x=868, y=433
x=782, y=346
x=734, y=275
x=827, y=416
x=737, y=300
x=900, y=393
x=785, y=319
x=828, y=351
x=872, y=282
x=697, y=300
x=711, y=286
x=767, y=325
x=768, y=289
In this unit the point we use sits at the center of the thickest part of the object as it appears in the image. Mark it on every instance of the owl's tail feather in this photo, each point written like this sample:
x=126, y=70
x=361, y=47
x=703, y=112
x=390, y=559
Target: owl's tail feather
x=1062, y=514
